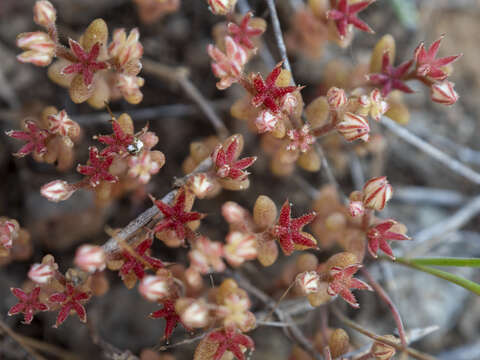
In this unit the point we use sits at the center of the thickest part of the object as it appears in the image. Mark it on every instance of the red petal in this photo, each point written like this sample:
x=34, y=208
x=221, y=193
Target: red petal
x=19, y=294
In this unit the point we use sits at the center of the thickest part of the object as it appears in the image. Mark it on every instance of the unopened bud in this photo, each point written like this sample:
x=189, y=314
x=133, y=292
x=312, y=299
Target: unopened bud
x=40, y=48
x=381, y=351
x=356, y=208
x=194, y=313
x=444, y=93
x=57, y=190
x=154, y=287
x=309, y=281
x=266, y=121
x=336, y=98
x=90, y=258
x=44, y=14
x=41, y=273
x=221, y=7
x=354, y=127
x=376, y=193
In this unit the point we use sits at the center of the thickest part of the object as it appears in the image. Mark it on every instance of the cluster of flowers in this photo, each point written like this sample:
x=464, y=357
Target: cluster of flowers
x=92, y=69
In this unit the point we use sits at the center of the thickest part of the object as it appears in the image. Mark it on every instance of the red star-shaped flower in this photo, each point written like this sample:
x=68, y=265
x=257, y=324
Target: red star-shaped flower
x=28, y=304
x=346, y=14
x=342, y=281
x=226, y=165
x=378, y=236
x=243, y=32
x=86, y=65
x=391, y=77
x=133, y=263
x=267, y=93
x=175, y=217
x=289, y=231
x=171, y=317
x=97, y=168
x=229, y=339
x=117, y=142
x=70, y=299
x=427, y=65
x=34, y=136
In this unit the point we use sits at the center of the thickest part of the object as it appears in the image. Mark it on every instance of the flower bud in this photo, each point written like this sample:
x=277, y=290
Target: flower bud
x=356, y=208
x=354, y=127
x=8, y=232
x=378, y=106
x=90, y=258
x=289, y=103
x=154, y=287
x=444, y=93
x=266, y=121
x=44, y=14
x=381, y=351
x=336, y=98
x=309, y=281
x=240, y=247
x=376, y=193
x=40, y=48
x=193, y=313
x=57, y=190
x=234, y=213
x=201, y=185
x=221, y=7
x=41, y=273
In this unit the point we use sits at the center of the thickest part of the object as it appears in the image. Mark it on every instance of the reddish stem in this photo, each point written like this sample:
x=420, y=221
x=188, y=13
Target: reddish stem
x=384, y=296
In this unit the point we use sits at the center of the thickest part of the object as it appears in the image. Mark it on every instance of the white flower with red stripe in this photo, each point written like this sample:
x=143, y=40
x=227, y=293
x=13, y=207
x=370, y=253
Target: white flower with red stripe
x=336, y=98
x=266, y=121
x=240, y=247
x=378, y=105
x=8, y=232
x=354, y=127
x=206, y=255
x=125, y=49
x=155, y=288
x=41, y=273
x=39, y=48
x=309, y=281
x=57, y=190
x=300, y=139
x=90, y=258
x=444, y=93
x=62, y=125
x=376, y=193
x=221, y=7
x=44, y=14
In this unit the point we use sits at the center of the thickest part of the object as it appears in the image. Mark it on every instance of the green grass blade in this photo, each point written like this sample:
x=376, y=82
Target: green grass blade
x=447, y=261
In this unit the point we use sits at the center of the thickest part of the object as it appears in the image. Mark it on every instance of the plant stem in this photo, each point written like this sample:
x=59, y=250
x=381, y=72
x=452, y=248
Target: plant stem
x=384, y=296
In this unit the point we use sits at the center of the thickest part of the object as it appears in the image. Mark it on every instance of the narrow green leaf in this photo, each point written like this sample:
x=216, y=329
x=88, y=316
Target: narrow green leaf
x=447, y=261
x=465, y=283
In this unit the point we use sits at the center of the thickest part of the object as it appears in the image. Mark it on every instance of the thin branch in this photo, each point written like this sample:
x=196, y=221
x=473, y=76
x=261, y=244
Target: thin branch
x=279, y=36
x=453, y=164
x=384, y=296
x=357, y=327
x=112, y=245
x=180, y=76
x=4, y=327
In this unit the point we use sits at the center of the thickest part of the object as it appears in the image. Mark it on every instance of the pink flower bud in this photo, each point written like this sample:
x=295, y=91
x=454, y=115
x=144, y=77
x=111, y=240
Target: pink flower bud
x=309, y=281
x=195, y=314
x=354, y=127
x=381, y=351
x=266, y=121
x=356, y=208
x=444, y=93
x=234, y=213
x=57, y=190
x=376, y=193
x=90, y=258
x=240, y=247
x=289, y=103
x=41, y=273
x=154, y=287
x=44, y=14
x=8, y=232
x=40, y=48
x=336, y=98
x=201, y=185
x=378, y=106
x=221, y=7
